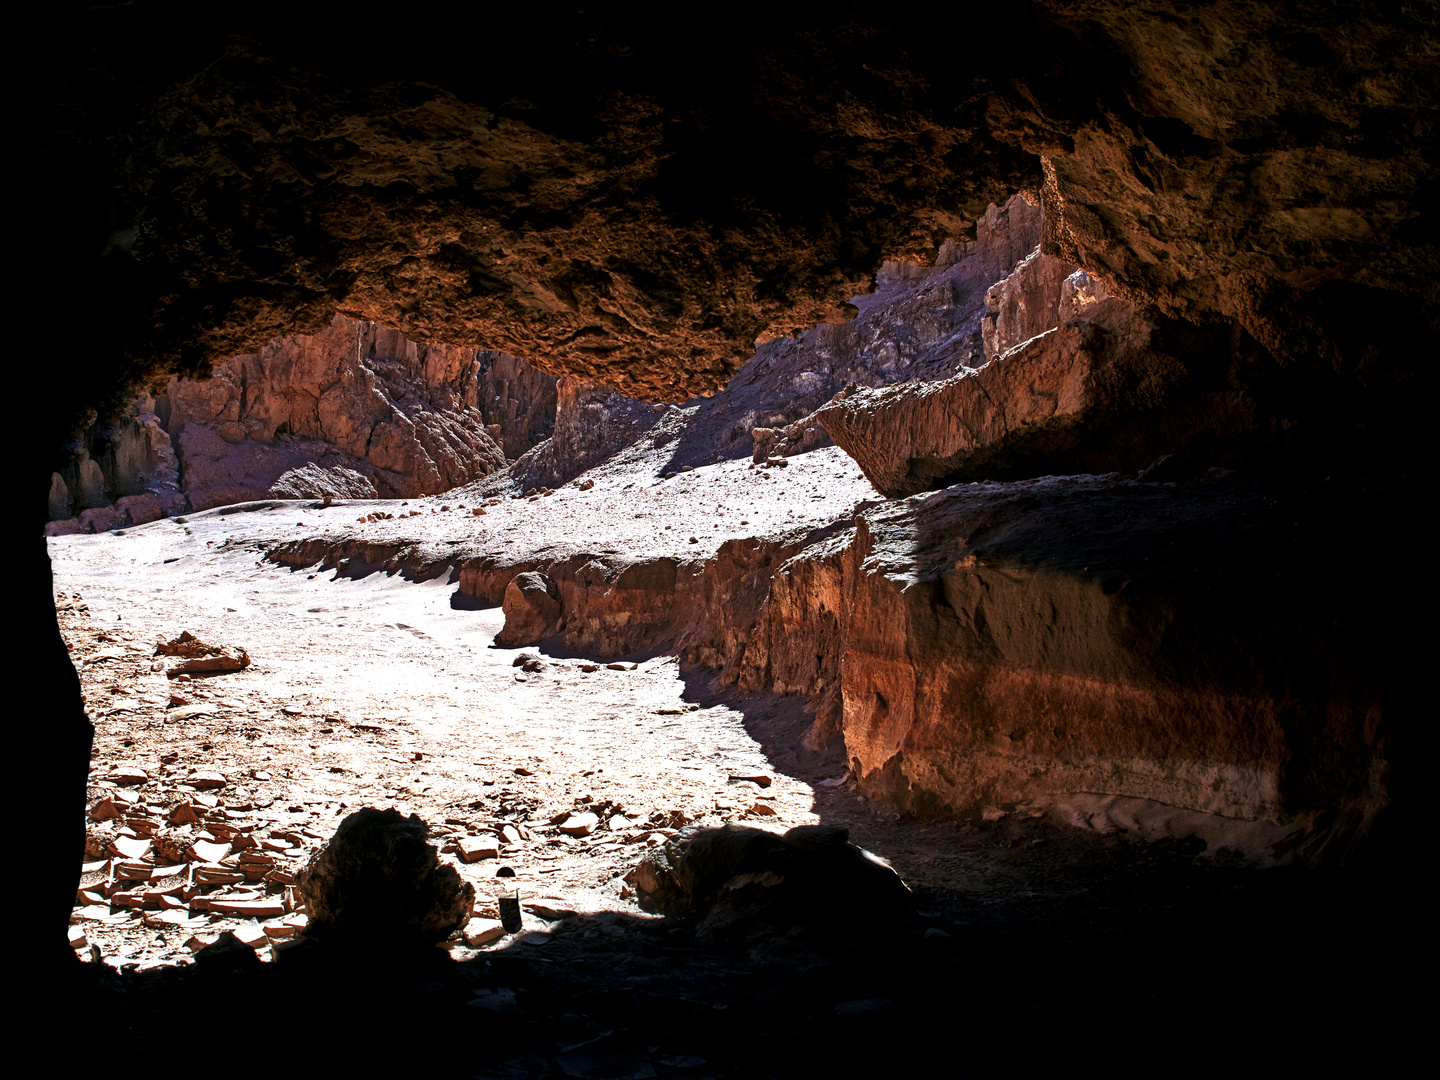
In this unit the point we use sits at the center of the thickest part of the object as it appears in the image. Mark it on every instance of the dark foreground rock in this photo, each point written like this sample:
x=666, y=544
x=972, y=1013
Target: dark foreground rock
x=378, y=879
x=743, y=881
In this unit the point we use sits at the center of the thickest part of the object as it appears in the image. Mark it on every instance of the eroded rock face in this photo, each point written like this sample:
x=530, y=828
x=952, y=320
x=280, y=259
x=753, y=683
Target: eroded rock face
x=1110, y=387
x=517, y=401
x=356, y=411
x=1098, y=634
x=592, y=423
x=379, y=880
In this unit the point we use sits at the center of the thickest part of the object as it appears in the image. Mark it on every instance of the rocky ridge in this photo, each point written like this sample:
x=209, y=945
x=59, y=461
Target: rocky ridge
x=358, y=411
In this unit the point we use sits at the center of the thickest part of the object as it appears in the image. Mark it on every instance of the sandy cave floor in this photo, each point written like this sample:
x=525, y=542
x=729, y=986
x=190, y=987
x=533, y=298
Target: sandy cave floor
x=378, y=692
x=1032, y=939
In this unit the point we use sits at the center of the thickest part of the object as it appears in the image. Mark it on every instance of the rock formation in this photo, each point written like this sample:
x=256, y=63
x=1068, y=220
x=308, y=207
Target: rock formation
x=380, y=882
x=1255, y=181
x=355, y=404
x=592, y=422
x=532, y=610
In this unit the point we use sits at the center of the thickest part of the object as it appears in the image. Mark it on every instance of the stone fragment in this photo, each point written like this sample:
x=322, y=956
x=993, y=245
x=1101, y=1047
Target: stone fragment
x=210, y=852
x=758, y=779
x=189, y=712
x=378, y=877
x=206, y=780
x=579, y=824
x=479, y=932
x=250, y=909
x=475, y=848
x=129, y=774
x=131, y=848
x=532, y=609
x=250, y=934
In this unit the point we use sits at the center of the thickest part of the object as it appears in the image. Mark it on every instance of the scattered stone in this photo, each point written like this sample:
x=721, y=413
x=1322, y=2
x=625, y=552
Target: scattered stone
x=617, y=667
x=129, y=774
x=250, y=909
x=761, y=810
x=579, y=824
x=190, y=712
x=206, y=780
x=226, y=952
x=480, y=932
x=740, y=879
x=475, y=848
x=758, y=779
x=250, y=934
x=196, y=657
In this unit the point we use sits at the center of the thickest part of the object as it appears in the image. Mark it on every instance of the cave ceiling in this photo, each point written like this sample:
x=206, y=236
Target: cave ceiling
x=610, y=198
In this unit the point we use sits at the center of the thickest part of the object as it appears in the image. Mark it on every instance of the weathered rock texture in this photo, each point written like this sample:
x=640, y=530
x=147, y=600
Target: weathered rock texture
x=1003, y=642
x=355, y=411
x=1101, y=386
x=120, y=473
x=919, y=324
x=517, y=402
x=379, y=880
x=592, y=423
x=532, y=610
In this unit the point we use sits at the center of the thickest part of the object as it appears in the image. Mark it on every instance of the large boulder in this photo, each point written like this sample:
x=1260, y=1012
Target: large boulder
x=380, y=879
x=532, y=610
x=738, y=879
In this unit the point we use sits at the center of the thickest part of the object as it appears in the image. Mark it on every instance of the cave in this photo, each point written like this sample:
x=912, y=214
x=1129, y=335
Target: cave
x=966, y=439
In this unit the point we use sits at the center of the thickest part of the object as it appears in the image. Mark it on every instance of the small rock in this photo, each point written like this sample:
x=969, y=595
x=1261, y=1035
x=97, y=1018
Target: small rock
x=206, y=780
x=758, y=779
x=475, y=848
x=579, y=824
x=480, y=932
